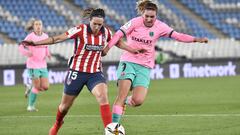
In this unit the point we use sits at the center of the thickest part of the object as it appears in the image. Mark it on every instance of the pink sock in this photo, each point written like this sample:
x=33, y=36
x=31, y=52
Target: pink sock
x=117, y=109
x=34, y=90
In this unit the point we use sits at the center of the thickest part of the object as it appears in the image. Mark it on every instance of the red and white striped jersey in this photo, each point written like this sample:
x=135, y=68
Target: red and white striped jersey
x=88, y=48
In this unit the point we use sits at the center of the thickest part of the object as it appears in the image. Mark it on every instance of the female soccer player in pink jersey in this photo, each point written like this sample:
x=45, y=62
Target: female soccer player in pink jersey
x=36, y=62
x=134, y=69
x=85, y=65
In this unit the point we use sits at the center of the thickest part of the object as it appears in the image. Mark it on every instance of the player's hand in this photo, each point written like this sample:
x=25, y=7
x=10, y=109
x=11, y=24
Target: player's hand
x=29, y=54
x=105, y=51
x=201, y=40
x=49, y=57
x=27, y=43
x=139, y=51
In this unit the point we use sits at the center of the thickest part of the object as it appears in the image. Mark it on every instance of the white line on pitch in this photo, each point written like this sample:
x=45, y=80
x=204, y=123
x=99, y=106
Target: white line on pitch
x=163, y=115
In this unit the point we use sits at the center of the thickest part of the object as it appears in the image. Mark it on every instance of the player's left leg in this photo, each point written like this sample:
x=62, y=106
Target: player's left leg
x=44, y=84
x=44, y=79
x=138, y=96
x=140, y=86
x=97, y=85
x=33, y=95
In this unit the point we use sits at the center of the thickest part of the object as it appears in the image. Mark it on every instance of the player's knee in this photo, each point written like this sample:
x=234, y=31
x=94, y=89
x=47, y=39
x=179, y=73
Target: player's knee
x=102, y=98
x=45, y=88
x=38, y=88
x=63, y=108
x=137, y=102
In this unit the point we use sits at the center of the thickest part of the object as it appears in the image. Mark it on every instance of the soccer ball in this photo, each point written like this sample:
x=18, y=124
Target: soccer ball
x=114, y=129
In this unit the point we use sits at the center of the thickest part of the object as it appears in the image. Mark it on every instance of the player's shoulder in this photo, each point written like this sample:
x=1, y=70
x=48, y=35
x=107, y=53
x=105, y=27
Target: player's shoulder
x=75, y=29
x=133, y=23
x=30, y=36
x=137, y=21
x=159, y=23
x=79, y=26
x=138, y=18
x=45, y=34
x=106, y=28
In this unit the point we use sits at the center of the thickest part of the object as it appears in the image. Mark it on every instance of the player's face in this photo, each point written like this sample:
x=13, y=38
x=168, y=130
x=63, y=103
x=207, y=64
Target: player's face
x=149, y=17
x=37, y=26
x=96, y=24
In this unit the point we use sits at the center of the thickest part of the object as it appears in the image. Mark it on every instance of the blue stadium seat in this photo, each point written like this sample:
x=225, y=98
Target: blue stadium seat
x=216, y=18
x=1, y=42
x=26, y=9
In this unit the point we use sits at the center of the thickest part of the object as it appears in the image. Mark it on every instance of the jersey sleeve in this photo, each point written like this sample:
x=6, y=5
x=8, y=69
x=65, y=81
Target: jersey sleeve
x=166, y=30
x=128, y=27
x=109, y=35
x=74, y=31
x=28, y=37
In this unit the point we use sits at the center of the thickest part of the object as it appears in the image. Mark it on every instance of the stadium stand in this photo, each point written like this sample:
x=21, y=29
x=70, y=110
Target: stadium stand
x=1, y=42
x=112, y=17
x=60, y=15
x=193, y=27
x=222, y=14
x=24, y=10
x=12, y=30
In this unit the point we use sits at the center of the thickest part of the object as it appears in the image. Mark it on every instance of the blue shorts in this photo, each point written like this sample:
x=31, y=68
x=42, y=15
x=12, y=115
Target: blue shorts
x=75, y=81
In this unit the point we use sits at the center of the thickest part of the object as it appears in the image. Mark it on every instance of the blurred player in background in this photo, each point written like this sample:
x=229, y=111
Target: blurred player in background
x=134, y=69
x=36, y=62
x=85, y=67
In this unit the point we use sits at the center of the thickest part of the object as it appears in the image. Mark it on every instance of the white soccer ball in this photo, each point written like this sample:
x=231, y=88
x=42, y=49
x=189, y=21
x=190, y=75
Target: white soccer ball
x=114, y=129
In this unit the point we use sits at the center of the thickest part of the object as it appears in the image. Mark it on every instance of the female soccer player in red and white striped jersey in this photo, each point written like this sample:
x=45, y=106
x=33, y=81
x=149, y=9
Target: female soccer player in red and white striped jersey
x=84, y=65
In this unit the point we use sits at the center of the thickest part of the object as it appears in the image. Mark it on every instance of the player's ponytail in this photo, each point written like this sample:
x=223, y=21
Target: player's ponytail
x=91, y=12
x=142, y=5
x=30, y=23
x=87, y=12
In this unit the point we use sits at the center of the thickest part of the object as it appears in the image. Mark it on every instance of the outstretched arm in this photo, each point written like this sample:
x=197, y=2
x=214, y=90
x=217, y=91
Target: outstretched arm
x=48, y=41
x=187, y=38
x=24, y=51
x=123, y=46
x=116, y=37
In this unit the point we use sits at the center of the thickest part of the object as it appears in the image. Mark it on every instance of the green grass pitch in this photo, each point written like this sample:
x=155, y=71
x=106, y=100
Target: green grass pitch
x=207, y=106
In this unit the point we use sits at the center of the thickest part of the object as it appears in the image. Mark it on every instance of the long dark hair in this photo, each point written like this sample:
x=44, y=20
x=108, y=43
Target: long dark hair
x=91, y=12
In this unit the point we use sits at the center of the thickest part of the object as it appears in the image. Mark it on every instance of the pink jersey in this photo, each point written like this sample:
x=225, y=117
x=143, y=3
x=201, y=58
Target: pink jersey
x=36, y=54
x=141, y=37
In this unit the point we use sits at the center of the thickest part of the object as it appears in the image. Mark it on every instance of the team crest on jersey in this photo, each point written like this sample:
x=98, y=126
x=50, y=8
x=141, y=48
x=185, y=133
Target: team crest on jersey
x=69, y=81
x=123, y=73
x=74, y=30
x=127, y=25
x=151, y=34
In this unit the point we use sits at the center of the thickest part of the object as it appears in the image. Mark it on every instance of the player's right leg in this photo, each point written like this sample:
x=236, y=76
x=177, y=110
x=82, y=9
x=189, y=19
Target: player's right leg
x=34, y=75
x=73, y=85
x=66, y=103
